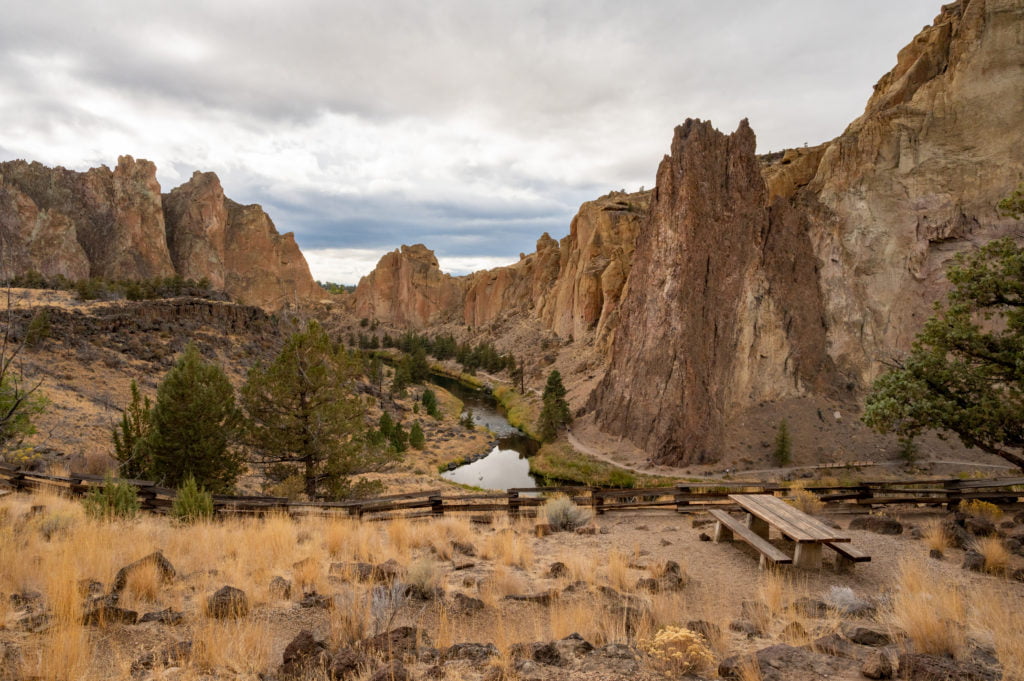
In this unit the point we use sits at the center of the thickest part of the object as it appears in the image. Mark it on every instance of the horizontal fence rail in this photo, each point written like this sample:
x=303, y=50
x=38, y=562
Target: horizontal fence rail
x=681, y=498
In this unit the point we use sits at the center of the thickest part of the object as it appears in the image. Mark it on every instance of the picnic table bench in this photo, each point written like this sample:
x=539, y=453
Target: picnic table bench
x=765, y=511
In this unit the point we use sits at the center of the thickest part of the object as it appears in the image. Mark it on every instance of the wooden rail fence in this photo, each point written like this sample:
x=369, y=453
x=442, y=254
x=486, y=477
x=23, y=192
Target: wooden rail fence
x=681, y=498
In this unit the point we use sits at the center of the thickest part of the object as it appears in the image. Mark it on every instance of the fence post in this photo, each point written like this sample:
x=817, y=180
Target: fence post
x=597, y=501
x=681, y=491
x=954, y=495
x=513, y=504
x=436, y=504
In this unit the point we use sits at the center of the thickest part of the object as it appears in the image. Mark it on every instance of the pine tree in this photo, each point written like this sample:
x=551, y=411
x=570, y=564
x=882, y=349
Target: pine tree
x=193, y=426
x=133, y=459
x=306, y=418
x=555, y=412
x=783, y=451
x=429, y=400
x=416, y=438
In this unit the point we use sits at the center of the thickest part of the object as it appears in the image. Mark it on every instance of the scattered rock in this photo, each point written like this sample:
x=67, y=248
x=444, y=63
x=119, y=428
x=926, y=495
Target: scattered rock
x=392, y=672
x=700, y=522
x=1018, y=575
x=173, y=655
x=866, y=636
x=924, y=667
x=708, y=630
x=558, y=570
x=573, y=645
x=468, y=565
x=588, y=529
x=542, y=529
x=474, y=652
x=835, y=645
x=877, y=665
x=315, y=600
x=280, y=588
x=35, y=624
x=304, y=655
x=156, y=559
x=794, y=632
x=89, y=587
x=227, y=602
x=745, y=627
x=399, y=641
x=168, y=616
x=465, y=548
x=784, y=663
x=973, y=561
x=648, y=584
x=543, y=598
x=104, y=614
x=665, y=542
x=549, y=654
x=810, y=607
x=959, y=538
x=704, y=536
x=461, y=603
x=979, y=527
x=936, y=554
x=877, y=524
x=603, y=530
x=346, y=663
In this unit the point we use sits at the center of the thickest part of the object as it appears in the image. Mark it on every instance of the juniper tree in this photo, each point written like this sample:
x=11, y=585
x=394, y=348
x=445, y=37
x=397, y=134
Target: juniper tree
x=555, y=412
x=194, y=426
x=306, y=418
x=965, y=371
x=130, y=434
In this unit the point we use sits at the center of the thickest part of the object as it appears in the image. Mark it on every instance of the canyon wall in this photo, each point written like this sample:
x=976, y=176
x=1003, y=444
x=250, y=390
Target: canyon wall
x=115, y=224
x=743, y=283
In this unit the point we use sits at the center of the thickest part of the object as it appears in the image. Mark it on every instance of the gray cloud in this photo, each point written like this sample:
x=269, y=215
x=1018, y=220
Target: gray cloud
x=400, y=121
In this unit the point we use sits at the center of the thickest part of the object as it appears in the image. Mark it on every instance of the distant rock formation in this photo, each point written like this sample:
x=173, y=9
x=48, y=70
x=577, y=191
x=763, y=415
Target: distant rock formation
x=741, y=285
x=117, y=225
x=407, y=288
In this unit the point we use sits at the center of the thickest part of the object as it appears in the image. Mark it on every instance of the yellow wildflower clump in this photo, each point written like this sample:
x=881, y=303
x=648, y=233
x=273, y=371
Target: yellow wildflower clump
x=677, y=650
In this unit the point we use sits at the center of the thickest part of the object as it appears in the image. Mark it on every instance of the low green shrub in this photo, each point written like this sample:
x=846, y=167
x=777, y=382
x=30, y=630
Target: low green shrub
x=192, y=504
x=112, y=500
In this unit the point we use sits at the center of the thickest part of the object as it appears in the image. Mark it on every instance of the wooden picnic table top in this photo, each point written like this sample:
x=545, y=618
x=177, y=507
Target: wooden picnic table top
x=788, y=520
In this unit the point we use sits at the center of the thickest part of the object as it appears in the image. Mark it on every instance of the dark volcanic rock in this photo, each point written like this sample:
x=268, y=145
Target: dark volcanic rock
x=877, y=524
x=227, y=602
x=156, y=560
x=922, y=667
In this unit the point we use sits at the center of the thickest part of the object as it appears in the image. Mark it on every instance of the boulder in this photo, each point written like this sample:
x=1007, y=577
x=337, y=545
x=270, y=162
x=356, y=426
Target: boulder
x=227, y=602
x=877, y=524
x=926, y=667
x=156, y=560
x=878, y=665
x=103, y=614
x=304, y=655
x=866, y=636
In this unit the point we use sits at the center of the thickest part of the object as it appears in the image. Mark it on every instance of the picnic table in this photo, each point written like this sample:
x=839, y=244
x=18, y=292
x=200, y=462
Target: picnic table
x=765, y=511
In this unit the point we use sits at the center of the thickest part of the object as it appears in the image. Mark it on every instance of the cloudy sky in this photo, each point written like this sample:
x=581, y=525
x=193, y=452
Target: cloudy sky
x=467, y=125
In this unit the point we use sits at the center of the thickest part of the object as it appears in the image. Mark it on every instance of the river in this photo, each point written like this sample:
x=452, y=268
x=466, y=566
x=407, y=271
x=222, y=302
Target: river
x=506, y=465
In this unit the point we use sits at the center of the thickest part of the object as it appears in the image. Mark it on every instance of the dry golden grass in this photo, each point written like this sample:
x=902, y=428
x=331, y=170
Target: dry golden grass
x=935, y=535
x=349, y=620
x=508, y=547
x=66, y=653
x=805, y=500
x=989, y=613
x=617, y=571
x=235, y=645
x=997, y=557
x=930, y=611
x=502, y=582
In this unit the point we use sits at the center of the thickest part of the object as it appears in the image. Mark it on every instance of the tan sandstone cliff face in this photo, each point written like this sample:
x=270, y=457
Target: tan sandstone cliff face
x=237, y=248
x=117, y=215
x=407, y=288
x=916, y=178
x=799, y=280
x=116, y=225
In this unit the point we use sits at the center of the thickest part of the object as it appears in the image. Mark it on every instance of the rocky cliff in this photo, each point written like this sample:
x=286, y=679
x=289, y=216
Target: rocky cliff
x=740, y=285
x=115, y=224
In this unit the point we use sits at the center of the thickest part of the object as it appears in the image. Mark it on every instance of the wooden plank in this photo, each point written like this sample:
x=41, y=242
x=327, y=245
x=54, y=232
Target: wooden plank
x=764, y=547
x=849, y=551
x=792, y=522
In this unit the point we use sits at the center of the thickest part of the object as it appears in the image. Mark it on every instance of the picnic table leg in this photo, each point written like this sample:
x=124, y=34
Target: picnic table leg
x=760, y=527
x=808, y=555
x=722, y=533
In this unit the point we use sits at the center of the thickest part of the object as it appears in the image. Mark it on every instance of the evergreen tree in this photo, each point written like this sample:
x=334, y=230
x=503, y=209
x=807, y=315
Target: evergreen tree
x=783, y=451
x=429, y=400
x=193, y=425
x=555, y=412
x=416, y=438
x=965, y=371
x=305, y=417
x=133, y=458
